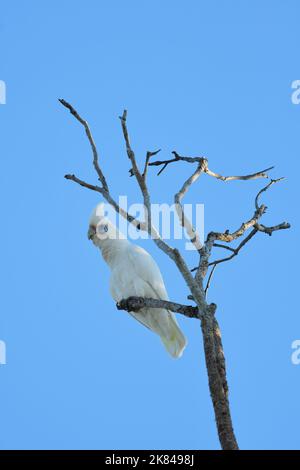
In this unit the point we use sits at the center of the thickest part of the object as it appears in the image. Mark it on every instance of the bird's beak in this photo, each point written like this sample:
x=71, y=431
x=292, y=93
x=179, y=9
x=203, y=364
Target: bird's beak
x=91, y=232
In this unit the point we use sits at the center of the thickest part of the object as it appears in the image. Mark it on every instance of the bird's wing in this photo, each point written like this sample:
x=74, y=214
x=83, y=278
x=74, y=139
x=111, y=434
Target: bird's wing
x=146, y=269
x=162, y=321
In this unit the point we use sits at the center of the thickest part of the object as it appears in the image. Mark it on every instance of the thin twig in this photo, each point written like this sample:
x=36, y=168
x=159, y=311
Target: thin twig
x=253, y=222
x=270, y=230
x=209, y=279
x=265, y=189
x=147, y=160
x=129, y=150
x=165, y=163
x=219, y=245
x=237, y=250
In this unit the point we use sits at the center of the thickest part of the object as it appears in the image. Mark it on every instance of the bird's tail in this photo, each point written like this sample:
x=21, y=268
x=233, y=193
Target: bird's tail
x=174, y=340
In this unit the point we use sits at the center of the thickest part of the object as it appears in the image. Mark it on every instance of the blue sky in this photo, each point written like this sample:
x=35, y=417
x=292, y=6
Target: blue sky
x=206, y=78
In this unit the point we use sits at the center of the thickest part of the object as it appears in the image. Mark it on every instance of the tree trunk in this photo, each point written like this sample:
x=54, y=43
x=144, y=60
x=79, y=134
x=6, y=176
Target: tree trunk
x=215, y=364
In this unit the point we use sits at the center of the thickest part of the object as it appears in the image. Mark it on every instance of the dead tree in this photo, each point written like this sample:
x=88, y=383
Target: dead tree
x=194, y=278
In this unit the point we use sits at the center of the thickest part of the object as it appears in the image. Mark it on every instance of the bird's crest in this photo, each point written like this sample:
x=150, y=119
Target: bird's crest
x=97, y=214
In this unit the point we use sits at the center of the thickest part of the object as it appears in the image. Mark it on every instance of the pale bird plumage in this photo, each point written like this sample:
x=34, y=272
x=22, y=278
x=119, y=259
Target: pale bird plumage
x=135, y=273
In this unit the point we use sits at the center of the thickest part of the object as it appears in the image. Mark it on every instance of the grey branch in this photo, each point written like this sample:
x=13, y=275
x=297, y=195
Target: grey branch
x=129, y=150
x=91, y=141
x=178, y=158
x=225, y=237
x=154, y=234
x=209, y=279
x=229, y=237
x=270, y=230
x=183, y=219
x=130, y=218
x=133, y=304
x=265, y=189
x=235, y=250
x=147, y=160
x=220, y=245
x=104, y=191
x=82, y=183
x=253, y=222
x=253, y=176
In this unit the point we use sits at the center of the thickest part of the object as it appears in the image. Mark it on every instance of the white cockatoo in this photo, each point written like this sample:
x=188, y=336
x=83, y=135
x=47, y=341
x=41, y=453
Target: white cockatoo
x=135, y=273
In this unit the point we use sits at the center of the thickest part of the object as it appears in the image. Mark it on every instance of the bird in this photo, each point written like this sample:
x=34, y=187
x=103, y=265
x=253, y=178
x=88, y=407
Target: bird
x=135, y=273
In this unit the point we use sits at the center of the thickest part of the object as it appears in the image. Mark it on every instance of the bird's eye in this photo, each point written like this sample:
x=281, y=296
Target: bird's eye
x=102, y=228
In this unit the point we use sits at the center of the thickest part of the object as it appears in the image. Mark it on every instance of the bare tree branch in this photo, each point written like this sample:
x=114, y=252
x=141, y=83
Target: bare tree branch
x=253, y=176
x=236, y=250
x=133, y=304
x=154, y=234
x=130, y=218
x=270, y=230
x=183, y=219
x=130, y=152
x=104, y=191
x=229, y=237
x=209, y=279
x=219, y=245
x=259, y=211
x=84, y=184
x=165, y=163
x=147, y=160
x=177, y=158
x=91, y=141
x=265, y=189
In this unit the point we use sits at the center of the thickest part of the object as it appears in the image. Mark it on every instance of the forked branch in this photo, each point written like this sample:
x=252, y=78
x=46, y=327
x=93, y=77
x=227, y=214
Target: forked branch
x=178, y=158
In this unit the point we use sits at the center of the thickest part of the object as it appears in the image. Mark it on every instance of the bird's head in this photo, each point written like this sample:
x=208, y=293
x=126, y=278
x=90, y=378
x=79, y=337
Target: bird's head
x=100, y=227
x=96, y=217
